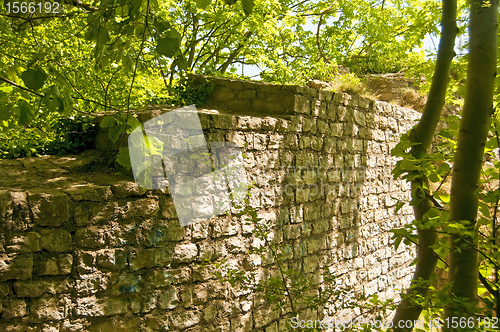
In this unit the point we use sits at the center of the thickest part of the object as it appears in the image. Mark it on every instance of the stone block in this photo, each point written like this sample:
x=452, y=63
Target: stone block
x=155, y=323
x=317, y=143
x=224, y=121
x=158, y=277
x=183, y=319
x=302, y=194
x=50, y=308
x=5, y=205
x=125, y=189
x=282, y=125
x=194, y=295
x=13, y=308
x=218, y=136
x=180, y=275
x=248, y=122
x=321, y=226
x=315, y=244
x=116, y=324
x=127, y=283
x=36, y=288
x=225, y=227
x=92, y=283
x=306, y=229
x=4, y=290
x=268, y=124
x=202, y=273
x=60, y=264
x=81, y=215
x=243, y=323
x=23, y=243
x=89, y=192
x=311, y=263
x=17, y=211
x=167, y=208
x=302, y=104
x=49, y=209
x=239, y=138
x=185, y=253
x=111, y=259
x=312, y=211
x=211, y=250
x=275, y=141
x=200, y=231
x=295, y=124
x=309, y=125
x=115, y=306
x=147, y=258
x=223, y=93
x=90, y=237
x=247, y=94
x=259, y=141
x=360, y=118
x=336, y=129
x=85, y=262
x=291, y=231
x=56, y=240
x=141, y=208
x=143, y=303
x=205, y=120
x=290, y=142
x=307, y=160
x=330, y=145
x=304, y=142
x=18, y=267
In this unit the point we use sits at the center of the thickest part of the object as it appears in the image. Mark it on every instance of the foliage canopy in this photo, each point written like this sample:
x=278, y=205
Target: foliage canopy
x=102, y=55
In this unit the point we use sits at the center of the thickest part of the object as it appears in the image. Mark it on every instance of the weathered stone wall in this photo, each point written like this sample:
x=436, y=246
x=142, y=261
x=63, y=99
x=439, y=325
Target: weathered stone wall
x=87, y=251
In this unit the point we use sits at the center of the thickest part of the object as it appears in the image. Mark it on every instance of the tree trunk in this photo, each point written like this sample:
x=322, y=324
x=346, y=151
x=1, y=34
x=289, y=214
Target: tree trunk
x=423, y=134
x=473, y=133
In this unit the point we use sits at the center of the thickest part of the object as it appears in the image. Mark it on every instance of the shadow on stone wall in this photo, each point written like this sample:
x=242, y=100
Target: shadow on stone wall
x=85, y=251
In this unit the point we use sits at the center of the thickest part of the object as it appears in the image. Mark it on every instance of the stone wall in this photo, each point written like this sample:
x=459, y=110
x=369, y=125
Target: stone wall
x=84, y=250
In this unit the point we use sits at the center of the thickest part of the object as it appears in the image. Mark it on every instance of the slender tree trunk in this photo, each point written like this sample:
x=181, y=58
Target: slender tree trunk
x=423, y=134
x=472, y=136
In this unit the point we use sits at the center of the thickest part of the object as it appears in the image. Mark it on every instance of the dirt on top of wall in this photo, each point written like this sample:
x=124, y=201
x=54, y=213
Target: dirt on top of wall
x=394, y=88
x=58, y=172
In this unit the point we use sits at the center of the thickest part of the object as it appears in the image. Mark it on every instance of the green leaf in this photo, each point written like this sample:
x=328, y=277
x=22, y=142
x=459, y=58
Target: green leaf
x=134, y=9
x=103, y=36
x=169, y=44
x=161, y=25
x=444, y=168
x=115, y=131
x=247, y=6
x=53, y=100
x=67, y=105
x=26, y=112
x=492, y=143
x=230, y=2
x=123, y=158
x=34, y=78
x=434, y=177
x=108, y=121
x=128, y=63
x=181, y=62
x=484, y=209
x=399, y=205
x=203, y=4
x=445, y=198
x=5, y=111
x=132, y=123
